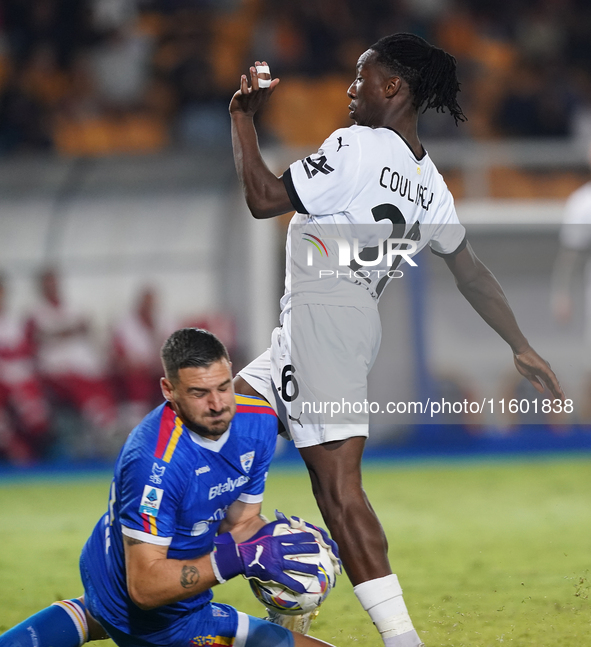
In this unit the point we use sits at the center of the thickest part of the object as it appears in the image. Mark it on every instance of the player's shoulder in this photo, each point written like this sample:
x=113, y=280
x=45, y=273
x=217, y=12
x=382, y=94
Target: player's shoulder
x=254, y=416
x=377, y=136
x=156, y=437
x=248, y=404
x=343, y=138
x=361, y=145
x=379, y=143
x=360, y=134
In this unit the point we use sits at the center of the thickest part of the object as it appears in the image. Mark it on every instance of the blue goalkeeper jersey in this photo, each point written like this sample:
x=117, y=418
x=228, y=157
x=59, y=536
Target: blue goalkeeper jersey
x=172, y=488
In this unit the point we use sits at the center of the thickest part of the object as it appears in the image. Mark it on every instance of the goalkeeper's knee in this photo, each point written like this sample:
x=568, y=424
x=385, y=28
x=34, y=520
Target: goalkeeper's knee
x=262, y=633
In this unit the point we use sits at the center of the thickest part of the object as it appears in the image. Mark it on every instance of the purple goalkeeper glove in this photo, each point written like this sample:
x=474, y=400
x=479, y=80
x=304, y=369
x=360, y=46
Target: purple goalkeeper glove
x=263, y=557
x=325, y=540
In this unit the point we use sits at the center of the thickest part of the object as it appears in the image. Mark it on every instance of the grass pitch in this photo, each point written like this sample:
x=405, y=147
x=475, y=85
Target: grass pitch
x=487, y=552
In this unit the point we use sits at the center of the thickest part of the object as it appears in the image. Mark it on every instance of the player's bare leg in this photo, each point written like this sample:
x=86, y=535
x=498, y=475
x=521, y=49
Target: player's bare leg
x=243, y=387
x=335, y=473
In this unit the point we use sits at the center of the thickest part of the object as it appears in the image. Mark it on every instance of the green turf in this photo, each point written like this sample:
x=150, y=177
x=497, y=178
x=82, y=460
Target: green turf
x=487, y=553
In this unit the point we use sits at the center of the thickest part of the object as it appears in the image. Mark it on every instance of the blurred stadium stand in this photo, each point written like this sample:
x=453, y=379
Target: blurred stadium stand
x=116, y=169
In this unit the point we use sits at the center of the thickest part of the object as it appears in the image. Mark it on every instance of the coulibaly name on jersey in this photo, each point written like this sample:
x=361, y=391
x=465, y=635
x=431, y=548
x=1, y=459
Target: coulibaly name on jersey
x=397, y=183
x=229, y=486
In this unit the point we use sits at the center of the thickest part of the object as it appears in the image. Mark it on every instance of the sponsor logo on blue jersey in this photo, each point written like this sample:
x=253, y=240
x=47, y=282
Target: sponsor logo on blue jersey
x=202, y=527
x=202, y=470
x=157, y=472
x=229, y=486
x=199, y=528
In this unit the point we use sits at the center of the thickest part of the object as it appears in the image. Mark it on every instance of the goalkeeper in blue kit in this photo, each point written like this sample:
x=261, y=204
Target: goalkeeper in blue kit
x=190, y=478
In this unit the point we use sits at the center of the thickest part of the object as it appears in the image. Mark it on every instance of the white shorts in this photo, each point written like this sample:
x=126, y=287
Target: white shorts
x=316, y=377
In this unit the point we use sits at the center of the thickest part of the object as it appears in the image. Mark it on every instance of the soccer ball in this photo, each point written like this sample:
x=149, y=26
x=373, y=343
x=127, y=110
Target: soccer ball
x=277, y=597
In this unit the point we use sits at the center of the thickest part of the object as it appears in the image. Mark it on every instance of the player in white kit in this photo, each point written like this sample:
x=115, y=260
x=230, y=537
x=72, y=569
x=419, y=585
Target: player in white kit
x=369, y=200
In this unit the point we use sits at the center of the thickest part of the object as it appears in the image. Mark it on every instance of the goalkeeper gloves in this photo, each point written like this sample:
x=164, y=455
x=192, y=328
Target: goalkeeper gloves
x=321, y=536
x=263, y=557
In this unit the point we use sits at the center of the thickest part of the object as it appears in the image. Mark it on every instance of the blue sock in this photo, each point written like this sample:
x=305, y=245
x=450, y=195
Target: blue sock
x=63, y=624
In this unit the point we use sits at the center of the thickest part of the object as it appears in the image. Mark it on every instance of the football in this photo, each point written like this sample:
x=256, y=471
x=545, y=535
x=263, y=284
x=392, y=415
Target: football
x=283, y=600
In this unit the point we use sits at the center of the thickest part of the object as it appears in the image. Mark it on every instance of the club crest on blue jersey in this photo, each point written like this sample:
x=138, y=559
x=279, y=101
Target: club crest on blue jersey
x=151, y=500
x=246, y=461
x=157, y=472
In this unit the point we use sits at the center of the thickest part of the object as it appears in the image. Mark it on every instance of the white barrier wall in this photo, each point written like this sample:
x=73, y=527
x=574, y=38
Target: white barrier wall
x=113, y=227
x=108, y=249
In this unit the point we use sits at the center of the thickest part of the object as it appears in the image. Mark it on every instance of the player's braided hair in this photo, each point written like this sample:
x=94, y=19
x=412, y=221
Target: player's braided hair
x=429, y=71
x=191, y=347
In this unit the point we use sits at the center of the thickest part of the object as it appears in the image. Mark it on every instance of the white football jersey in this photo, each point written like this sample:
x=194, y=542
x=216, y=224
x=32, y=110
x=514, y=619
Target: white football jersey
x=356, y=199
x=576, y=229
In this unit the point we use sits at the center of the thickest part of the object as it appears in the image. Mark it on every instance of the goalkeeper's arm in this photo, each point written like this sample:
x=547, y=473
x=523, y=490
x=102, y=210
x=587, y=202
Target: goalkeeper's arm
x=243, y=520
x=154, y=580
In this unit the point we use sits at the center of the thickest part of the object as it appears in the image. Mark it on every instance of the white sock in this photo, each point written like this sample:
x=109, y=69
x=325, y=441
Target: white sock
x=382, y=599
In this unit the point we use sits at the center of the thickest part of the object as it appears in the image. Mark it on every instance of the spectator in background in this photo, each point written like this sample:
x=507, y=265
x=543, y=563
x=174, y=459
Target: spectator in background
x=138, y=72
x=518, y=112
x=120, y=69
x=120, y=60
x=137, y=340
x=61, y=23
x=317, y=38
x=24, y=414
x=68, y=360
x=41, y=38
x=23, y=122
x=185, y=60
x=529, y=110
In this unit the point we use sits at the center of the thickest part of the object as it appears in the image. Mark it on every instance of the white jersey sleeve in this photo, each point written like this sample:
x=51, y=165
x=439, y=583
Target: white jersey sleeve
x=575, y=232
x=325, y=183
x=449, y=235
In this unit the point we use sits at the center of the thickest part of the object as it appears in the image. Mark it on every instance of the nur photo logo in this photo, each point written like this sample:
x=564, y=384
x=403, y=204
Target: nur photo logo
x=388, y=248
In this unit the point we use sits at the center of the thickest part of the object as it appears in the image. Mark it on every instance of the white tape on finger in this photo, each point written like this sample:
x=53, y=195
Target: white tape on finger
x=264, y=69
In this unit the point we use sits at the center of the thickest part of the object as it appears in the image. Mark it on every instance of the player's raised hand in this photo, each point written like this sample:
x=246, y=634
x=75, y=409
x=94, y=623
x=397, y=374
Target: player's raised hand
x=538, y=372
x=249, y=98
x=264, y=557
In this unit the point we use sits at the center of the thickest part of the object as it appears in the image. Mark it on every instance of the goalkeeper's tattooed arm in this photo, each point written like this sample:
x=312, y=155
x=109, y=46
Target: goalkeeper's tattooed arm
x=189, y=577
x=154, y=580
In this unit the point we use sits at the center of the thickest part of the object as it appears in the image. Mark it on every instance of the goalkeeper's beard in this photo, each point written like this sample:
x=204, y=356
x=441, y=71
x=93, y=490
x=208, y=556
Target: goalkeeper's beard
x=218, y=427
